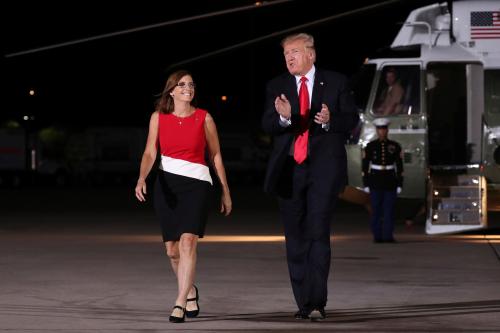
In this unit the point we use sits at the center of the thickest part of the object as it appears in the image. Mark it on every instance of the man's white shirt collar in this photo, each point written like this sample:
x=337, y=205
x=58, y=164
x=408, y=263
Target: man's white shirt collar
x=309, y=75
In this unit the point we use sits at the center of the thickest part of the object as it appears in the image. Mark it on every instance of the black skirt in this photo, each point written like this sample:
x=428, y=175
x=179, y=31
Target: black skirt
x=181, y=204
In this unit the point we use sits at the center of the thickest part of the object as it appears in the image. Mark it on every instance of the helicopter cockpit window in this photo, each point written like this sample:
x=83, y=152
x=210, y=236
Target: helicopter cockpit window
x=398, y=91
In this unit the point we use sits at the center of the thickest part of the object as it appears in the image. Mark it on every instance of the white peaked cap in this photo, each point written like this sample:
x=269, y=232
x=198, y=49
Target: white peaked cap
x=381, y=122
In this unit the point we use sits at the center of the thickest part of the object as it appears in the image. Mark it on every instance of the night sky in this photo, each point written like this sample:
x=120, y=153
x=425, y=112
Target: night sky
x=113, y=81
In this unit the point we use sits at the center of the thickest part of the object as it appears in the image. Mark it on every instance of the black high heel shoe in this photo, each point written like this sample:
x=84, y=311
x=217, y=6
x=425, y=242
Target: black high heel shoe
x=175, y=319
x=194, y=313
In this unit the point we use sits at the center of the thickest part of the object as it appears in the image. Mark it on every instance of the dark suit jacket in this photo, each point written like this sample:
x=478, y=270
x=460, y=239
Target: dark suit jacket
x=326, y=151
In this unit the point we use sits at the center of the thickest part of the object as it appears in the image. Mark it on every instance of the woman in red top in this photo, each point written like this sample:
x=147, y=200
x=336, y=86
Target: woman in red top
x=181, y=191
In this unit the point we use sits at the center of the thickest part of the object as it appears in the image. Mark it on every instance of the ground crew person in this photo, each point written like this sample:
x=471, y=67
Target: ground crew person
x=383, y=179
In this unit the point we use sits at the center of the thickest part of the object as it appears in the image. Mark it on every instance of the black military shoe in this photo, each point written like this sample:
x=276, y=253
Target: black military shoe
x=390, y=240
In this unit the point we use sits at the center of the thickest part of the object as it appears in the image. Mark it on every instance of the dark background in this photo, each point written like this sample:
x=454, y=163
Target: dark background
x=112, y=82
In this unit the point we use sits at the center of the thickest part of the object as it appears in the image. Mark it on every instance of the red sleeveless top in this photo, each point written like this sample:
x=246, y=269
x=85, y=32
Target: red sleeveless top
x=183, y=138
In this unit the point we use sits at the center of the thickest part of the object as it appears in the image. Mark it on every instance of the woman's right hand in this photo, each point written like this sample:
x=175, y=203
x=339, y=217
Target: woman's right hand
x=140, y=189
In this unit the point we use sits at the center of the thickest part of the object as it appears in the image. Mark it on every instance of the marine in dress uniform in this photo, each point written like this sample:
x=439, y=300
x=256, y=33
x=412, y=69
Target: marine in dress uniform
x=383, y=179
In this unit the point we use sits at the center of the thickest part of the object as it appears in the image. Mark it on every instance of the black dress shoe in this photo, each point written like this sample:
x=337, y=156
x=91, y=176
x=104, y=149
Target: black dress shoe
x=317, y=314
x=194, y=313
x=301, y=314
x=175, y=319
x=391, y=240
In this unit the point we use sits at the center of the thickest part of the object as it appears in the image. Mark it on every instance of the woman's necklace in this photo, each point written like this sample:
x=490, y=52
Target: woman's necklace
x=180, y=119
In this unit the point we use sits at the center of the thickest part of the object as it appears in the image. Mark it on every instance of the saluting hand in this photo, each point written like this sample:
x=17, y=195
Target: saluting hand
x=322, y=117
x=140, y=190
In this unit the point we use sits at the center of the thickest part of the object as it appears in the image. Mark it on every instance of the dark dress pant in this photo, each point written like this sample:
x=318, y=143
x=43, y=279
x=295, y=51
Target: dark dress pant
x=306, y=215
x=383, y=202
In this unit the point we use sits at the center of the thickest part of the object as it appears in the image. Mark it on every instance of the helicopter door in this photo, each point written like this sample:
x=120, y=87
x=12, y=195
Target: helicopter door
x=475, y=110
x=454, y=114
x=456, y=187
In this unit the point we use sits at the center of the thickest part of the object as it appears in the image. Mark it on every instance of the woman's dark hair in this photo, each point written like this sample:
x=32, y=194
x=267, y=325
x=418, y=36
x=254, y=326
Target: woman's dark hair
x=165, y=104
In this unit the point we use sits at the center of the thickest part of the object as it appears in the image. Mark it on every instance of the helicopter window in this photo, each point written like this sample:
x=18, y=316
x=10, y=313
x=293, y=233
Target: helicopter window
x=492, y=95
x=360, y=85
x=398, y=91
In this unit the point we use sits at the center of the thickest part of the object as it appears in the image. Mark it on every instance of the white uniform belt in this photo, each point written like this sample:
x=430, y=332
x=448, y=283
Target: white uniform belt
x=381, y=167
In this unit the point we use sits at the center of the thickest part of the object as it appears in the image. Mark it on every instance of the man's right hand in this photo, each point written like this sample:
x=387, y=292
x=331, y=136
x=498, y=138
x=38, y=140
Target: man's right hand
x=283, y=106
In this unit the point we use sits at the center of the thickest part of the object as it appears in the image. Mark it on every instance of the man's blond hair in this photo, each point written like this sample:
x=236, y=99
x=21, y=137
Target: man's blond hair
x=308, y=39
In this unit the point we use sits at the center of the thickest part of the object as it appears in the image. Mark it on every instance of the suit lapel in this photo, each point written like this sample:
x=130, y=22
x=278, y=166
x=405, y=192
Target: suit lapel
x=291, y=94
x=317, y=95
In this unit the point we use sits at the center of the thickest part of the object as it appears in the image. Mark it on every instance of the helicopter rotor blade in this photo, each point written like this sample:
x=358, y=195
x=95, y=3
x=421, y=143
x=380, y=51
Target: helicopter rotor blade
x=283, y=32
x=148, y=27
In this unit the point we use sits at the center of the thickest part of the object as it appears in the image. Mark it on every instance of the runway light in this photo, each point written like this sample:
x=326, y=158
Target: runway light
x=242, y=239
x=32, y=92
x=253, y=238
x=223, y=98
x=154, y=238
x=480, y=239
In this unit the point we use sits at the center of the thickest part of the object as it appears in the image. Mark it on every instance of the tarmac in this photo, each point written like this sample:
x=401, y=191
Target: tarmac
x=92, y=260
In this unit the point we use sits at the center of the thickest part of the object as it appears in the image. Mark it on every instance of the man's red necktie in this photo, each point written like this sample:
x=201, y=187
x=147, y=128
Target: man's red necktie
x=300, y=148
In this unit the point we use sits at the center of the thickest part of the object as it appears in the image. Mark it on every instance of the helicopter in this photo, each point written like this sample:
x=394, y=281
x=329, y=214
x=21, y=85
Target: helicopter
x=446, y=57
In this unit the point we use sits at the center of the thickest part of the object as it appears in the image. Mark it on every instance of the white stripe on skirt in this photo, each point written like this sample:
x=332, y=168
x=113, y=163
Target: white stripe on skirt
x=185, y=168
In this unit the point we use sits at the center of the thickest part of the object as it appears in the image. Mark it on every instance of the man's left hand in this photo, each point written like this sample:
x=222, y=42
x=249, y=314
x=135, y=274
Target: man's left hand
x=322, y=117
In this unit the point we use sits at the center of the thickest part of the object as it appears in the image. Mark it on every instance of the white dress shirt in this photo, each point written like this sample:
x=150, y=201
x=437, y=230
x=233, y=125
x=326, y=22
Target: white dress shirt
x=310, y=85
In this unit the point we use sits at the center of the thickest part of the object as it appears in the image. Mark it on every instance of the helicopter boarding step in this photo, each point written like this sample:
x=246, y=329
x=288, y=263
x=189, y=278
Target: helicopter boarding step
x=457, y=203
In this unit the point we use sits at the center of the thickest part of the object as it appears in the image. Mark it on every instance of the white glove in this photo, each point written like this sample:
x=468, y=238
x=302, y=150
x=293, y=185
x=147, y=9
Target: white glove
x=366, y=189
x=399, y=189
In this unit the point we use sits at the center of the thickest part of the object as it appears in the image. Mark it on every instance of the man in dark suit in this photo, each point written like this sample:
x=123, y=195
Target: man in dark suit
x=310, y=113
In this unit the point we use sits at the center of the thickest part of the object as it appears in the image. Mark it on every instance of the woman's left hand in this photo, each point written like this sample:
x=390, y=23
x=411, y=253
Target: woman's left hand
x=226, y=204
